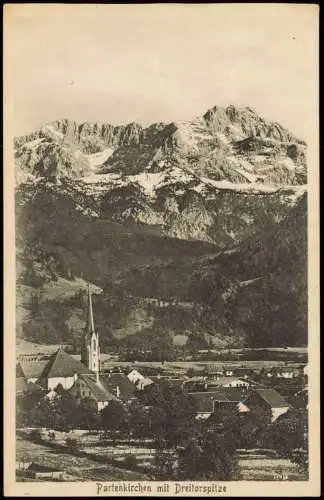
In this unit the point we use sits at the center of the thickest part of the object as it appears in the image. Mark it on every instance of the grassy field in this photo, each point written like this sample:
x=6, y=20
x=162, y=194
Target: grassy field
x=26, y=347
x=77, y=468
x=254, y=465
x=183, y=366
x=262, y=467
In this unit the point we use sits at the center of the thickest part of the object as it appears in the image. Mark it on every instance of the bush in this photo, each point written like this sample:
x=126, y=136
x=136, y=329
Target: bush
x=130, y=461
x=35, y=435
x=71, y=443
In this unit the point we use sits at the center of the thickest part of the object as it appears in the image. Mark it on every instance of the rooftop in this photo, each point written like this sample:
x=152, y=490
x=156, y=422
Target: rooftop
x=237, y=394
x=227, y=380
x=62, y=364
x=111, y=381
x=204, y=401
x=33, y=369
x=21, y=385
x=98, y=391
x=19, y=371
x=272, y=397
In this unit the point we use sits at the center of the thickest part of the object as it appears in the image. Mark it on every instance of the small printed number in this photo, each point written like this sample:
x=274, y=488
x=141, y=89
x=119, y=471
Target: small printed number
x=280, y=477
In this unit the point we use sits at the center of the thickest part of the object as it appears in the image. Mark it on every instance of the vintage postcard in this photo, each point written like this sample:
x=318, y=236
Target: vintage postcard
x=161, y=250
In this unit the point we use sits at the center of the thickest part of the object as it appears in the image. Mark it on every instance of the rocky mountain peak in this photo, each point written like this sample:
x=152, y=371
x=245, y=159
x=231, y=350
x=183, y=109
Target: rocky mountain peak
x=229, y=148
x=240, y=122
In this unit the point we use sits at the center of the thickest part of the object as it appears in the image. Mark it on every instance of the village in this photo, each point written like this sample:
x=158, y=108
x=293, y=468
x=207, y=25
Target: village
x=96, y=417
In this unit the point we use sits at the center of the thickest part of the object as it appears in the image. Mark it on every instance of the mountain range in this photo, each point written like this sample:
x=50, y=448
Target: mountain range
x=197, y=228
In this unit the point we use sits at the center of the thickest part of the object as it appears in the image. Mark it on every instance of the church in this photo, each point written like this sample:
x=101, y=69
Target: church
x=83, y=378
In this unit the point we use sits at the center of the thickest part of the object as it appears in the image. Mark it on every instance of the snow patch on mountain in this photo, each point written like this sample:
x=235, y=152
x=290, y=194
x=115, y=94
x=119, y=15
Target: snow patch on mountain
x=34, y=143
x=149, y=182
x=253, y=187
x=288, y=163
x=238, y=163
x=97, y=159
x=86, y=211
x=52, y=131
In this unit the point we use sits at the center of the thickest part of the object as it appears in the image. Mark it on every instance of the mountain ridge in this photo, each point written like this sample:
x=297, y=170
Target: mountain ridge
x=182, y=211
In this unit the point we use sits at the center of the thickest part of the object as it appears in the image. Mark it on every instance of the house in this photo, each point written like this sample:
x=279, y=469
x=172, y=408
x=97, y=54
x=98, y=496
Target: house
x=86, y=386
x=135, y=376
x=19, y=371
x=21, y=386
x=269, y=399
x=287, y=373
x=119, y=385
x=208, y=402
x=196, y=370
x=231, y=398
x=214, y=370
x=245, y=373
x=21, y=383
x=176, y=382
x=231, y=382
x=236, y=394
x=300, y=399
x=62, y=369
x=282, y=372
x=203, y=403
x=32, y=370
x=143, y=383
x=40, y=471
x=195, y=384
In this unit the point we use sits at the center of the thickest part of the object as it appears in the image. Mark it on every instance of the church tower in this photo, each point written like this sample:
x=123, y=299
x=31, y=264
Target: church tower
x=90, y=352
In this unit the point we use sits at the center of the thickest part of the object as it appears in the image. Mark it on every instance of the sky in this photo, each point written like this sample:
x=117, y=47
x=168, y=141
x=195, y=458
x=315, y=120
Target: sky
x=159, y=62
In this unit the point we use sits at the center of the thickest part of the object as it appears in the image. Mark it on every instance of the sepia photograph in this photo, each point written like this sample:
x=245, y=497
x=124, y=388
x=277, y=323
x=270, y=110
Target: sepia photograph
x=161, y=250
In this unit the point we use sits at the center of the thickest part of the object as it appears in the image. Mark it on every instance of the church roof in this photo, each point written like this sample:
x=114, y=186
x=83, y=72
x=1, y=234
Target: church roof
x=62, y=364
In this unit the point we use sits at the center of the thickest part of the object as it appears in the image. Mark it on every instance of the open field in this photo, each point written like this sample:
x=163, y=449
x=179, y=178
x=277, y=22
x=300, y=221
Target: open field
x=301, y=350
x=183, y=366
x=258, y=466
x=254, y=465
x=26, y=347
x=77, y=468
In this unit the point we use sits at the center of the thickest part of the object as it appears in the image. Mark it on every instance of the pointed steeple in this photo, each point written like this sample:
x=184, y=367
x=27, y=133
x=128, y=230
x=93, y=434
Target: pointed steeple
x=90, y=349
x=90, y=324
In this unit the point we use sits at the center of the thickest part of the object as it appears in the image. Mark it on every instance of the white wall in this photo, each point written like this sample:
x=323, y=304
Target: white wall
x=102, y=404
x=276, y=412
x=237, y=383
x=134, y=376
x=285, y=375
x=33, y=380
x=66, y=382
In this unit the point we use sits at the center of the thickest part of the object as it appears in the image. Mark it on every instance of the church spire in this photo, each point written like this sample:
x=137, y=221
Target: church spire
x=90, y=325
x=90, y=350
